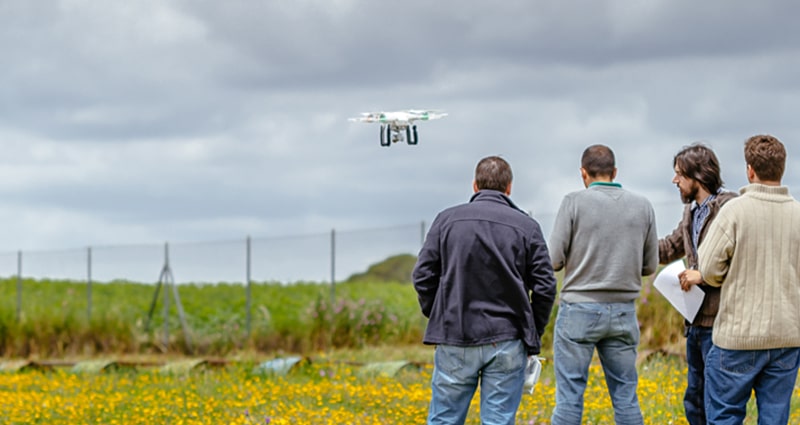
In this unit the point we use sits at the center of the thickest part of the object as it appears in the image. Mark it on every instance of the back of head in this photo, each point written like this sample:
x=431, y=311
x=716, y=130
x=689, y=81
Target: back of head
x=598, y=160
x=698, y=162
x=766, y=155
x=493, y=173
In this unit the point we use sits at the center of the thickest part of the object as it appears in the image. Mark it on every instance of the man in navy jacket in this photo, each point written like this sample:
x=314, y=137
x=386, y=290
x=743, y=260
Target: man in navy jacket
x=485, y=282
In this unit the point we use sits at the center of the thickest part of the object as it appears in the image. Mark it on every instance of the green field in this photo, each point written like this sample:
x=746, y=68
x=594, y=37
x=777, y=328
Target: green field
x=53, y=318
x=367, y=322
x=54, y=321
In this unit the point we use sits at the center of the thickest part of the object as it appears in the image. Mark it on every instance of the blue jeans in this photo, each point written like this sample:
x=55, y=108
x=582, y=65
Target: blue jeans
x=698, y=342
x=499, y=367
x=611, y=328
x=732, y=375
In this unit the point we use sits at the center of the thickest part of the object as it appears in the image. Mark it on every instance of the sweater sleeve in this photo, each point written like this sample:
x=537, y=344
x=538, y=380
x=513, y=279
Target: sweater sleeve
x=650, y=260
x=715, y=252
x=562, y=234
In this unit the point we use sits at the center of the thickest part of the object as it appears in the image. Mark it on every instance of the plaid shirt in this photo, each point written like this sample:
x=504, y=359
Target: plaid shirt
x=699, y=215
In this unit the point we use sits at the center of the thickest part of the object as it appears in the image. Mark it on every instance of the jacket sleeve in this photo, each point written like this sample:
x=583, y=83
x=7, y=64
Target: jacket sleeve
x=715, y=252
x=561, y=235
x=671, y=248
x=427, y=270
x=541, y=282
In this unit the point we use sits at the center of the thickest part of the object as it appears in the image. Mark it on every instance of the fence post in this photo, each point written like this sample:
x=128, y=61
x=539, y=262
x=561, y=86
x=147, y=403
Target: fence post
x=19, y=285
x=248, y=302
x=333, y=265
x=165, y=276
x=88, y=284
x=422, y=233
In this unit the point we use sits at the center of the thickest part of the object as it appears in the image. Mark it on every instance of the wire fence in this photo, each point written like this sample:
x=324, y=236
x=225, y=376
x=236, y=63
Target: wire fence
x=319, y=257
x=323, y=258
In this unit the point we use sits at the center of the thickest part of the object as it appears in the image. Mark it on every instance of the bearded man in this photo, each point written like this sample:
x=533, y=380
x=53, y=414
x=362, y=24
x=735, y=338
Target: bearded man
x=697, y=176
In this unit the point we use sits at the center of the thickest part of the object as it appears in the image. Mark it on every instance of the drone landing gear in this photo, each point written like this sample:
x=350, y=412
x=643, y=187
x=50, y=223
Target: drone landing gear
x=386, y=135
x=409, y=132
x=391, y=135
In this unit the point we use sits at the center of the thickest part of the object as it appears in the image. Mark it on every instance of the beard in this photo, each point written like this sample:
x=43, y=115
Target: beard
x=689, y=195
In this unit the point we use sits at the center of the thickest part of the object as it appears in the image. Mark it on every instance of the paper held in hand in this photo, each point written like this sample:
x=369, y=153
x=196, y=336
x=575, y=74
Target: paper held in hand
x=686, y=302
x=532, y=371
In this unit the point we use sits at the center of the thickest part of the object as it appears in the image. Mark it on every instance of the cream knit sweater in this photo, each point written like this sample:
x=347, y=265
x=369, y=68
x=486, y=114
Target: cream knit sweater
x=752, y=250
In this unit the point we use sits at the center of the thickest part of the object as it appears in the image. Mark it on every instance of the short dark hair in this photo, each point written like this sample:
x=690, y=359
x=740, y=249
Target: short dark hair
x=698, y=162
x=766, y=155
x=598, y=160
x=493, y=173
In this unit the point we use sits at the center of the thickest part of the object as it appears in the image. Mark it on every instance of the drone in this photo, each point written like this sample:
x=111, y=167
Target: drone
x=398, y=126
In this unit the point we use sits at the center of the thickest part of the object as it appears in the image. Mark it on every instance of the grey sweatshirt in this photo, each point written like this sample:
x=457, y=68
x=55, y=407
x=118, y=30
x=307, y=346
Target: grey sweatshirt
x=605, y=239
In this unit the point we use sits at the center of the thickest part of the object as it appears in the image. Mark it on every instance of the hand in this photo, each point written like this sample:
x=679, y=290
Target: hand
x=688, y=278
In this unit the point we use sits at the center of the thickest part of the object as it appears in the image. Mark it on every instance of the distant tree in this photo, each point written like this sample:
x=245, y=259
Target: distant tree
x=396, y=268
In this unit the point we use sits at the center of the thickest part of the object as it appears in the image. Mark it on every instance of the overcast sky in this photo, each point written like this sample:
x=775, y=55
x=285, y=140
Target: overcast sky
x=125, y=122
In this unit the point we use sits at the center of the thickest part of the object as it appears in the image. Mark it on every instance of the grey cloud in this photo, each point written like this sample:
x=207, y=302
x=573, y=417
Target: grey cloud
x=202, y=119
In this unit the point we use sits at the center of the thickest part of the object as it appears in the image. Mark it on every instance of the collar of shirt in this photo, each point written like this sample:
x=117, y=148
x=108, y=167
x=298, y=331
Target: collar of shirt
x=708, y=199
x=612, y=184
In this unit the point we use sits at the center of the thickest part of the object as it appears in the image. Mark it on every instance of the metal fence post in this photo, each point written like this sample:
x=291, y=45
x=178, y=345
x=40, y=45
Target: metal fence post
x=248, y=302
x=165, y=276
x=333, y=265
x=422, y=233
x=88, y=284
x=19, y=285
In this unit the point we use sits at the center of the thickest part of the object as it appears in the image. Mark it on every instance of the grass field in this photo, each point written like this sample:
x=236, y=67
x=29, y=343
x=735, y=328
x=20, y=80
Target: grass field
x=54, y=320
x=366, y=323
x=333, y=388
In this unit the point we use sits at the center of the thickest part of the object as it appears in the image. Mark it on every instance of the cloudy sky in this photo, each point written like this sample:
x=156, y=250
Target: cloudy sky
x=128, y=122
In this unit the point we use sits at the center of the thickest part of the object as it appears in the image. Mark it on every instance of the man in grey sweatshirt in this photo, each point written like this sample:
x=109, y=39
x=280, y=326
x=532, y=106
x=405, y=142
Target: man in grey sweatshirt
x=605, y=239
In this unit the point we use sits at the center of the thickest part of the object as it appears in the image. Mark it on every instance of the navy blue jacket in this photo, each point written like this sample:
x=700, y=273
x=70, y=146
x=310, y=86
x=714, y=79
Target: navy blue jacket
x=484, y=275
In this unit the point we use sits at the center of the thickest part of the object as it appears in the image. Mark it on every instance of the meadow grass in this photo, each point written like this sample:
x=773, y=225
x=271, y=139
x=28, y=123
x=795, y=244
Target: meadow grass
x=332, y=389
x=301, y=317
x=366, y=322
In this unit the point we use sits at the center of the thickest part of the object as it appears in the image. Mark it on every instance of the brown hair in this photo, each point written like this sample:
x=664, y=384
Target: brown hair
x=766, y=155
x=598, y=160
x=698, y=162
x=493, y=173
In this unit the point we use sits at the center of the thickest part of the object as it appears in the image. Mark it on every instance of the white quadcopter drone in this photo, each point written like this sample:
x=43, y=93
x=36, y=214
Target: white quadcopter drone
x=398, y=126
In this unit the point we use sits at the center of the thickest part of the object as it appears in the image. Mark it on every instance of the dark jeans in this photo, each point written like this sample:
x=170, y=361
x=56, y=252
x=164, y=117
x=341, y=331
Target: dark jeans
x=698, y=342
x=733, y=375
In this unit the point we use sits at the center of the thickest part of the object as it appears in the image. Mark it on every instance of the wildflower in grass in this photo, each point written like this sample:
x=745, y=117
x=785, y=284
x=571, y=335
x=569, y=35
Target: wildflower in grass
x=234, y=395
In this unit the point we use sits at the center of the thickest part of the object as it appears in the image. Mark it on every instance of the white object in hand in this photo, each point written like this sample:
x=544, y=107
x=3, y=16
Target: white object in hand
x=532, y=371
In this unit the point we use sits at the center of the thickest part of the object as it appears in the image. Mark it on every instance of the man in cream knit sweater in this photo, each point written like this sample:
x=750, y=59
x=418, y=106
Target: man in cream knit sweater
x=752, y=251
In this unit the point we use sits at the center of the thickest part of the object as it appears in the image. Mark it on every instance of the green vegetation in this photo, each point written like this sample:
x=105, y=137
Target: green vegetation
x=397, y=268
x=298, y=318
x=295, y=318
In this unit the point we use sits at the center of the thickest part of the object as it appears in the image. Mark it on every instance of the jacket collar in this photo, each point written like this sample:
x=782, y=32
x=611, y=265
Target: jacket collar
x=494, y=196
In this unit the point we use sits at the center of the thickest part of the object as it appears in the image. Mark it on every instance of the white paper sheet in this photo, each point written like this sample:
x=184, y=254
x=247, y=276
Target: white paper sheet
x=686, y=302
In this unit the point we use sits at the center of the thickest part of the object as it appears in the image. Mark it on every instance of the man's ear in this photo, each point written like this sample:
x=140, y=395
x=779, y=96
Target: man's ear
x=584, y=177
x=614, y=174
x=751, y=174
x=508, y=190
x=475, y=187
